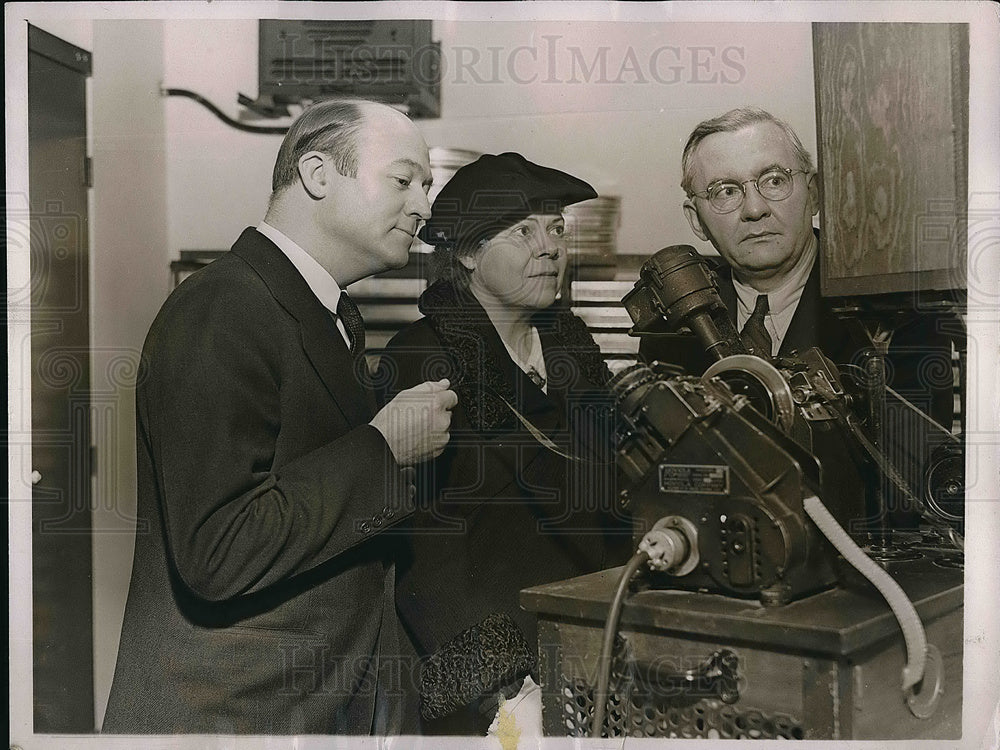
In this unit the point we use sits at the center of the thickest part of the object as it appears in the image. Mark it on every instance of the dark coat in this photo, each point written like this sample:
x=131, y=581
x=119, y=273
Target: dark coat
x=498, y=512
x=261, y=597
x=918, y=367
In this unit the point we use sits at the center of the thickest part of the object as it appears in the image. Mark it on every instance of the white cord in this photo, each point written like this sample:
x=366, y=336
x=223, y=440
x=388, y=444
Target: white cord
x=909, y=621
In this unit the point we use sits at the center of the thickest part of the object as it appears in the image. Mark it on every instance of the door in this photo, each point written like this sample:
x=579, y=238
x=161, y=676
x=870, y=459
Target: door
x=62, y=591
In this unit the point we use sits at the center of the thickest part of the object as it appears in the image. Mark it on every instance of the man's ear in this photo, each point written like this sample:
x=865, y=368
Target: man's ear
x=693, y=219
x=314, y=171
x=813, y=187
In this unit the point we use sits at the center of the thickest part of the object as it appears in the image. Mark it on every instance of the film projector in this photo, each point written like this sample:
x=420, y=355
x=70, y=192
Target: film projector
x=748, y=611
x=795, y=575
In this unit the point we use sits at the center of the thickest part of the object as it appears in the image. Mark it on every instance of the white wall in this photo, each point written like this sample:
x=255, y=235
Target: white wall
x=537, y=88
x=129, y=267
x=218, y=177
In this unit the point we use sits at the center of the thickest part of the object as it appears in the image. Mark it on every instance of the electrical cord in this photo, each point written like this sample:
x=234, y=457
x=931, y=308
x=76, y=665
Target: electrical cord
x=915, y=639
x=262, y=129
x=909, y=622
x=607, y=642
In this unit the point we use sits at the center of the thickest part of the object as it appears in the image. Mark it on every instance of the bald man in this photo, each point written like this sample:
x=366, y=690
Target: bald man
x=261, y=598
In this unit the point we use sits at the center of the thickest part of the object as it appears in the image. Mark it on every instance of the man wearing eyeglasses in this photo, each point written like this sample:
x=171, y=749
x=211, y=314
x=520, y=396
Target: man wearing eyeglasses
x=752, y=192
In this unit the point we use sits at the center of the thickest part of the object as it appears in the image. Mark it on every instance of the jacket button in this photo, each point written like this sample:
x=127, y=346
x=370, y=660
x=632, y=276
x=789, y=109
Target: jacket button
x=388, y=512
x=365, y=527
x=376, y=521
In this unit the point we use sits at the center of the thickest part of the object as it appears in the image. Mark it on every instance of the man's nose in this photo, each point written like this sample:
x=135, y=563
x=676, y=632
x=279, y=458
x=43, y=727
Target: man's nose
x=420, y=204
x=754, y=205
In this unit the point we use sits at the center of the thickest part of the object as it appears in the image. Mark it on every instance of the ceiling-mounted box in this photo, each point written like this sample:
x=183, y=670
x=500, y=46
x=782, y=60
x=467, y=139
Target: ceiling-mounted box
x=392, y=61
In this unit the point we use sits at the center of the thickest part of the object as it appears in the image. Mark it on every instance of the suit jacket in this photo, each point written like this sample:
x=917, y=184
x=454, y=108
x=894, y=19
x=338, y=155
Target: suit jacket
x=918, y=367
x=497, y=512
x=261, y=592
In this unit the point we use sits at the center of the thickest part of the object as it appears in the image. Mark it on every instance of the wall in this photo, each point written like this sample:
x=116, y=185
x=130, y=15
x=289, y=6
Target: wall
x=611, y=102
x=218, y=177
x=130, y=270
x=129, y=281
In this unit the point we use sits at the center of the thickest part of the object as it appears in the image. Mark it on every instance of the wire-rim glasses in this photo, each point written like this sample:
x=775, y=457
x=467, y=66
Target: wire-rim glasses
x=773, y=184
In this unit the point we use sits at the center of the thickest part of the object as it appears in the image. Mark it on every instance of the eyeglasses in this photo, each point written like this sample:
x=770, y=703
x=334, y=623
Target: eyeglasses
x=773, y=184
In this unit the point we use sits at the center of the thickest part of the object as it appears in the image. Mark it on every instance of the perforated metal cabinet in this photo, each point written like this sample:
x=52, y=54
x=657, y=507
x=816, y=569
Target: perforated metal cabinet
x=825, y=667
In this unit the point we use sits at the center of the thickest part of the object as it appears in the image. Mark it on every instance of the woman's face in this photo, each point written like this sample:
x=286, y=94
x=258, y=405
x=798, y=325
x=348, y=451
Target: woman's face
x=523, y=265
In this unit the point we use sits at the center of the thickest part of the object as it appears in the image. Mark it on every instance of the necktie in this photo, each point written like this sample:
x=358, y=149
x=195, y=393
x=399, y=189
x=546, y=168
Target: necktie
x=754, y=336
x=349, y=314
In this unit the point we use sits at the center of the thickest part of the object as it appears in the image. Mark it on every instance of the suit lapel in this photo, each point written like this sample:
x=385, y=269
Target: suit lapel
x=814, y=324
x=727, y=292
x=802, y=329
x=322, y=343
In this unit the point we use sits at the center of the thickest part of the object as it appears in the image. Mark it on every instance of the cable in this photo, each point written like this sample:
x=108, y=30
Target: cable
x=262, y=129
x=607, y=642
x=901, y=606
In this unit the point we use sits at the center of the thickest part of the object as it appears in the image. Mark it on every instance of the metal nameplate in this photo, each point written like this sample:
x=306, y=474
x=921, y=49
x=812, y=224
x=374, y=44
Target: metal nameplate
x=698, y=479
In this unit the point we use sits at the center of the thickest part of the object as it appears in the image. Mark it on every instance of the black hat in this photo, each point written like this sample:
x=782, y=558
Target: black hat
x=495, y=192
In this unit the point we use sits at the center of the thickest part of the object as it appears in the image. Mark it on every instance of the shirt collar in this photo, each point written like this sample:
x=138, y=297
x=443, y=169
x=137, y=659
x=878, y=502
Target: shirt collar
x=790, y=290
x=322, y=284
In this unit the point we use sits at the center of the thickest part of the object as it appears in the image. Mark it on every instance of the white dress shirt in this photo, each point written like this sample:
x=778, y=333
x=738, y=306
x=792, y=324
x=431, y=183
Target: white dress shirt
x=322, y=284
x=781, y=302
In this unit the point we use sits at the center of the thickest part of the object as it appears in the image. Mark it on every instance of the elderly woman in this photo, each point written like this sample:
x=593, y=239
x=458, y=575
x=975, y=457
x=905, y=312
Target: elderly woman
x=525, y=491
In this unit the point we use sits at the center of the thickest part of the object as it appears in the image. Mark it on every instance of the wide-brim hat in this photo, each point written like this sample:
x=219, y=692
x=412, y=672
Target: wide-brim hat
x=493, y=193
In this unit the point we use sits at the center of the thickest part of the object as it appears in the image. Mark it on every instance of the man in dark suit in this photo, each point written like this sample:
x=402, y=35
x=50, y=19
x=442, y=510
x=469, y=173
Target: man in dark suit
x=261, y=598
x=752, y=192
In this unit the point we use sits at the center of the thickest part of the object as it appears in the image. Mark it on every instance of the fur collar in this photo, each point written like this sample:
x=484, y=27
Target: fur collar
x=572, y=358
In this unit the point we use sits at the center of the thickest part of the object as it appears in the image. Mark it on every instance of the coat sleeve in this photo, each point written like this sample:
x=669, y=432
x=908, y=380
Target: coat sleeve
x=413, y=356
x=245, y=507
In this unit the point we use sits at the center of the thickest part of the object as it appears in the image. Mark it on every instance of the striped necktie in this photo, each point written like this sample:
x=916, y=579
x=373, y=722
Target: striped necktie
x=754, y=336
